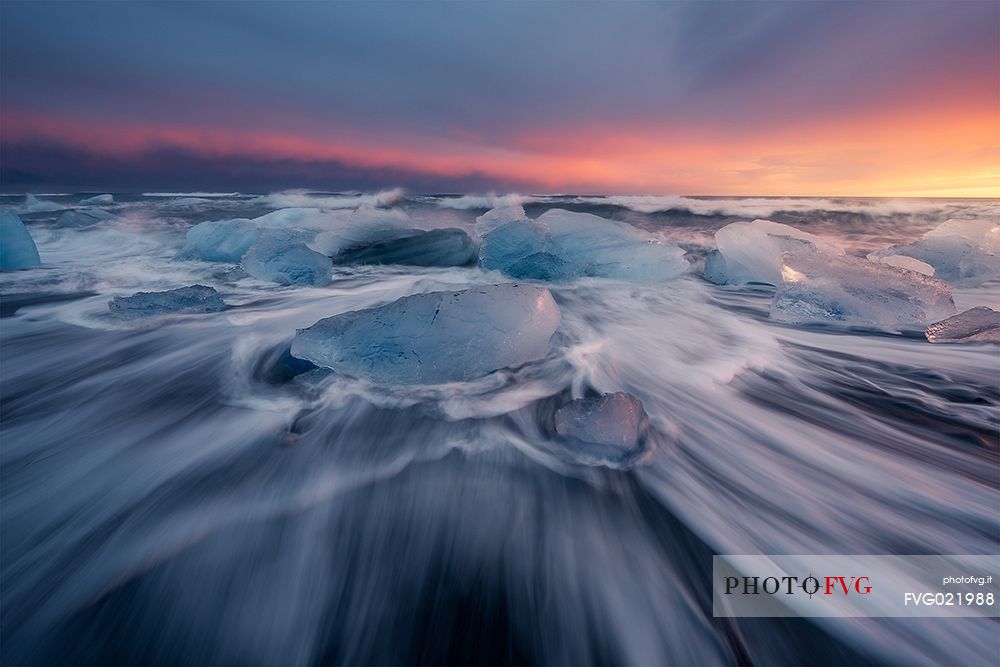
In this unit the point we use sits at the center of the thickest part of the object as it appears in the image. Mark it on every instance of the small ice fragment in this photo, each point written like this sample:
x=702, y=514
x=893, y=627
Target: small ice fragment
x=284, y=258
x=976, y=325
x=715, y=268
x=817, y=288
x=436, y=337
x=437, y=247
x=962, y=252
x=220, y=240
x=607, y=430
x=83, y=218
x=17, y=248
x=98, y=200
x=193, y=299
x=753, y=250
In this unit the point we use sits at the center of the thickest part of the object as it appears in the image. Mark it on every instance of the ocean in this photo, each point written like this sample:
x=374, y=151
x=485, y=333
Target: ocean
x=180, y=490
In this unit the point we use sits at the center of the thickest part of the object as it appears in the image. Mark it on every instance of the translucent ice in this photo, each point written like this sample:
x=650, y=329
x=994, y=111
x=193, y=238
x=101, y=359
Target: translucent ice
x=818, y=288
x=437, y=337
x=284, y=258
x=17, y=248
x=98, y=200
x=220, y=240
x=542, y=266
x=578, y=244
x=499, y=216
x=366, y=225
x=715, y=267
x=602, y=248
x=437, y=247
x=752, y=251
x=904, y=262
x=607, y=430
x=78, y=218
x=510, y=242
x=963, y=252
x=976, y=325
x=193, y=299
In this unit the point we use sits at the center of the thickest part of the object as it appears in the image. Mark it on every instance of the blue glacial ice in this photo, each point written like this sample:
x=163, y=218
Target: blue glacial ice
x=343, y=230
x=603, y=248
x=98, y=200
x=751, y=252
x=282, y=256
x=416, y=247
x=542, y=266
x=976, y=325
x=437, y=337
x=17, y=248
x=192, y=299
x=510, y=242
x=962, y=252
x=585, y=245
x=817, y=288
x=499, y=216
x=715, y=267
x=220, y=240
x=79, y=218
x=608, y=430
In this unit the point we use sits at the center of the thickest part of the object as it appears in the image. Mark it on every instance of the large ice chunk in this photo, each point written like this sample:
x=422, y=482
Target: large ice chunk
x=436, y=337
x=976, y=325
x=220, y=240
x=193, y=299
x=83, y=218
x=17, y=248
x=904, y=262
x=752, y=251
x=602, y=248
x=511, y=242
x=579, y=244
x=846, y=291
x=963, y=252
x=542, y=266
x=363, y=226
x=607, y=430
x=437, y=247
x=499, y=216
x=283, y=257
x=98, y=200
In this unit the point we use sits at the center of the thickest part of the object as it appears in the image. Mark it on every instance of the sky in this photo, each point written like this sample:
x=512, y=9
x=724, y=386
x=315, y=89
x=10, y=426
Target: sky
x=876, y=98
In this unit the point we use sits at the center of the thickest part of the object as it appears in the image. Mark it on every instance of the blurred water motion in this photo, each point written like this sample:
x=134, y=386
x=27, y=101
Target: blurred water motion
x=183, y=492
